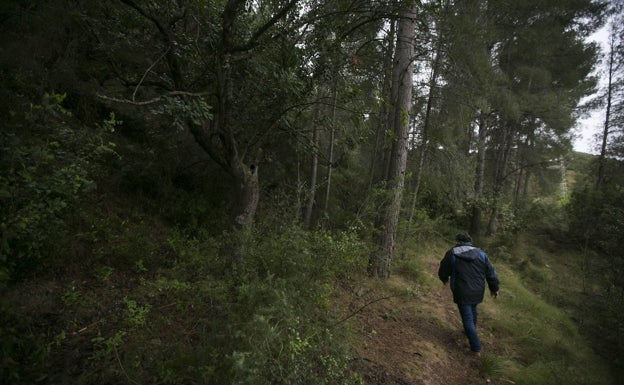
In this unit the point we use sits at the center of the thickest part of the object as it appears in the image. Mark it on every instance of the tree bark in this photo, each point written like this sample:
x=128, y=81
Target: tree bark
x=247, y=194
x=607, y=122
x=433, y=83
x=246, y=187
x=499, y=180
x=245, y=178
x=477, y=209
x=307, y=219
x=330, y=155
x=377, y=172
x=402, y=76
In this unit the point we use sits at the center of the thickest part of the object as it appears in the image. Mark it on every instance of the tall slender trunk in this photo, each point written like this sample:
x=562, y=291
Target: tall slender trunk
x=499, y=180
x=402, y=73
x=307, y=220
x=330, y=155
x=530, y=143
x=521, y=161
x=607, y=122
x=518, y=185
x=387, y=106
x=424, y=138
x=525, y=186
x=477, y=207
x=377, y=169
x=564, y=178
x=433, y=83
x=421, y=164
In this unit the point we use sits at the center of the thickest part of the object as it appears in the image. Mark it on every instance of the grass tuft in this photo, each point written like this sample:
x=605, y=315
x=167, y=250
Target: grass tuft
x=491, y=366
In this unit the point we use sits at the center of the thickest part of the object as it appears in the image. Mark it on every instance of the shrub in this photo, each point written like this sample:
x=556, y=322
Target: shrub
x=46, y=163
x=200, y=322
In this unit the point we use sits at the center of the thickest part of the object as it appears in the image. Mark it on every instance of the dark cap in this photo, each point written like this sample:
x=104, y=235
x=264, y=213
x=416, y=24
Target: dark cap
x=463, y=237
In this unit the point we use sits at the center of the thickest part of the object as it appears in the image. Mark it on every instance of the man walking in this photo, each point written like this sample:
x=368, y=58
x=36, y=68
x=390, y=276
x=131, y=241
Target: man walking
x=468, y=268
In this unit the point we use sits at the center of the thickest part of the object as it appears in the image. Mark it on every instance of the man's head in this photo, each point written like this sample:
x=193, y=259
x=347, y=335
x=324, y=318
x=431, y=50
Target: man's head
x=463, y=237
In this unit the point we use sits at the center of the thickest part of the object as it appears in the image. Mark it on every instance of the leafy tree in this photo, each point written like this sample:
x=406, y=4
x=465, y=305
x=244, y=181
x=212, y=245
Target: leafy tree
x=512, y=94
x=596, y=225
x=203, y=85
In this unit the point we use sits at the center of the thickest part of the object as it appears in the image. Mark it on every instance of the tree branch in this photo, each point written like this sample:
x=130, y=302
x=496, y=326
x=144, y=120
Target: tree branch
x=174, y=66
x=146, y=72
x=150, y=101
x=262, y=30
x=367, y=304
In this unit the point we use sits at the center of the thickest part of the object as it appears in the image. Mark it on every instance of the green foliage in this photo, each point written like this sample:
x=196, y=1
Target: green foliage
x=131, y=300
x=196, y=320
x=276, y=340
x=318, y=255
x=135, y=314
x=409, y=267
x=47, y=163
x=446, y=182
x=23, y=352
x=596, y=227
x=491, y=366
x=551, y=373
x=544, y=337
x=546, y=216
x=195, y=110
x=597, y=217
x=71, y=296
x=128, y=241
x=266, y=335
x=415, y=237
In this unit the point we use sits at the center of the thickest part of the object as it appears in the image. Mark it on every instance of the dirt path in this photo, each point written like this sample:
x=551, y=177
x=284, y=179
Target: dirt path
x=411, y=339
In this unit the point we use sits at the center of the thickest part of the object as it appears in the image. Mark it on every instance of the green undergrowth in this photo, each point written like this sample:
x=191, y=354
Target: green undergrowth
x=196, y=320
x=541, y=339
x=534, y=338
x=161, y=306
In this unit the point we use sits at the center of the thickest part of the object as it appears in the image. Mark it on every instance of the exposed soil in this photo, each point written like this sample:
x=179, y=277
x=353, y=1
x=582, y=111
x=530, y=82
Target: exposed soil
x=411, y=336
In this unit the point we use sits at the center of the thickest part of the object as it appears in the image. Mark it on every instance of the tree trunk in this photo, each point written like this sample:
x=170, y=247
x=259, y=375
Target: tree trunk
x=330, y=155
x=421, y=164
x=530, y=143
x=246, y=188
x=307, y=220
x=499, y=180
x=564, y=178
x=477, y=209
x=376, y=172
x=424, y=137
x=525, y=186
x=247, y=194
x=402, y=74
x=607, y=122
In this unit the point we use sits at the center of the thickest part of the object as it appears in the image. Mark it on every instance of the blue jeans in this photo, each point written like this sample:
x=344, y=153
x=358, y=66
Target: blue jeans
x=469, y=319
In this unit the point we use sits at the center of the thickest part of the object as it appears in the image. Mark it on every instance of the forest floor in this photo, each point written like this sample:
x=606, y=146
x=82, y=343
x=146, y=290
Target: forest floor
x=406, y=334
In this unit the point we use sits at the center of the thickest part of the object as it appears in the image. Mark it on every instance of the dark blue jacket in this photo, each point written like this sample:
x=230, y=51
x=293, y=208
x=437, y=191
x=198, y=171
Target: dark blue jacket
x=468, y=268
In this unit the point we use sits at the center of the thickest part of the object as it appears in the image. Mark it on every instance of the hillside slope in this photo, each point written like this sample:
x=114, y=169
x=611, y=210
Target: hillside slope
x=407, y=332
x=185, y=323
x=413, y=337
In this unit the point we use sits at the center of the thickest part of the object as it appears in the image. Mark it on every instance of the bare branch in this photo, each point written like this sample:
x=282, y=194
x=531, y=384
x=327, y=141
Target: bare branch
x=146, y=72
x=262, y=30
x=150, y=101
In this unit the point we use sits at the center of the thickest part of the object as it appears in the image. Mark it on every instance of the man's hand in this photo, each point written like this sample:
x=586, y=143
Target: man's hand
x=494, y=294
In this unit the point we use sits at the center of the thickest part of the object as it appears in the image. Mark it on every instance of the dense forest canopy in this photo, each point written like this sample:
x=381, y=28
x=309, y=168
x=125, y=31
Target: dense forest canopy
x=223, y=138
